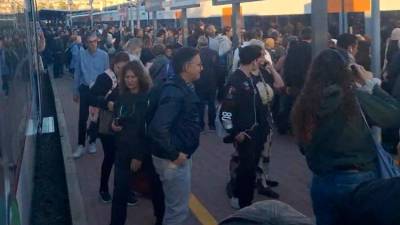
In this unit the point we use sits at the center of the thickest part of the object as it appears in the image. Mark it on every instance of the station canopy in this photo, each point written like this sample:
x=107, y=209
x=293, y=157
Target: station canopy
x=13, y=6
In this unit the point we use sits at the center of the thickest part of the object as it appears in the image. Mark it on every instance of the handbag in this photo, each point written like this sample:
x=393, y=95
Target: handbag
x=105, y=120
x=387, y=167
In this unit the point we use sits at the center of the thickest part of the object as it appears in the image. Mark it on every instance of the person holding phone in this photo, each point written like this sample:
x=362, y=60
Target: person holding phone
x=130, y=130
x=329, y=126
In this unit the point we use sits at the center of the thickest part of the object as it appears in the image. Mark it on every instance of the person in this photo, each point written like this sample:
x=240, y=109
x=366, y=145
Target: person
x=266, y=79
x=159, y=69
x=175, y=134
x=296, y=65
x=57, y=48
x=248, y=124
x=213, y=39
x=130, y=128
x=92, y=62
x=206, y=86
x=101, y=95
x=349, y=43
x=271, y=212
x=373, y=202
x=4, y=68
x=75, y=49
x=134, y=48
x=328, y=124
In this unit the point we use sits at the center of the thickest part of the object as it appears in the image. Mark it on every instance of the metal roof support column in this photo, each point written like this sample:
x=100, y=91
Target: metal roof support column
x=319, y=21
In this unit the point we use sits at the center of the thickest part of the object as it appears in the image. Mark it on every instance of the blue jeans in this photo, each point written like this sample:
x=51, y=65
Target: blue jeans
x=176, y=181
x=328, y=193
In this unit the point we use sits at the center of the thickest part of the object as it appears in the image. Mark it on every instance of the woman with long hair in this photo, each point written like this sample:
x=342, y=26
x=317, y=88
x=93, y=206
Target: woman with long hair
x=130, y=127
x=328, y=124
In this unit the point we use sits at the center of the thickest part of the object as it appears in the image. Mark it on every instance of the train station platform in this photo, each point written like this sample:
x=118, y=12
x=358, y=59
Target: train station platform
x=209, y=202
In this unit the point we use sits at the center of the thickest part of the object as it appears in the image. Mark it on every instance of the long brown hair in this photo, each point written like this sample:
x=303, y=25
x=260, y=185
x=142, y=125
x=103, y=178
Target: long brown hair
x=137, y=68
x=330, y=67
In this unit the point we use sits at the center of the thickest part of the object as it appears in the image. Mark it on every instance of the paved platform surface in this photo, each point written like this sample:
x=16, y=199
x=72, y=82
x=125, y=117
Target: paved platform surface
x=209, y=174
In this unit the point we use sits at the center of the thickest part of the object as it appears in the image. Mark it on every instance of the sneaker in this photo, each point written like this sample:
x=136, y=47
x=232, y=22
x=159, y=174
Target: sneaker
x=132, y=200
x=105, y=196
x=235, y=203
x=92, y=148
x=267, y=191
x=272, y=183
x=79, y=152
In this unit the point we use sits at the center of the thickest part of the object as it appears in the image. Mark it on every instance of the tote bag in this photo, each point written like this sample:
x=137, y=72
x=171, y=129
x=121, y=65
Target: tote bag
x=387, y=168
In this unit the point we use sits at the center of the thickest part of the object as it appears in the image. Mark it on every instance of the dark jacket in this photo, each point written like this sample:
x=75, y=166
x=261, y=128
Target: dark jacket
x=207, y=84
x=393, y=82
x=340, y=144
x=129, y=112
x=175, y=126
x=246, y=108
x=374, y=202
x=99, y=90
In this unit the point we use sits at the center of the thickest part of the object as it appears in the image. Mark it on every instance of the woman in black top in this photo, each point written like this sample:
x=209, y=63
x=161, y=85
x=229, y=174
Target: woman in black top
x=102, y=94
x=130, y=128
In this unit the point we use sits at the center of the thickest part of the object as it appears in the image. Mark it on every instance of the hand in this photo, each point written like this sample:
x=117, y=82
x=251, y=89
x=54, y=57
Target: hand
x=362, y=75
x=241, y=137
x=136, y=165
x=181, y=159
x=110, y=106
x=269, y=67
x=76, y=98
x=115, y=128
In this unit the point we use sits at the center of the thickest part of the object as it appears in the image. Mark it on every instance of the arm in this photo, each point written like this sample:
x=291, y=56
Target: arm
x=167, y=112
x=235, y=63
x=380, y=107
x=224, y=47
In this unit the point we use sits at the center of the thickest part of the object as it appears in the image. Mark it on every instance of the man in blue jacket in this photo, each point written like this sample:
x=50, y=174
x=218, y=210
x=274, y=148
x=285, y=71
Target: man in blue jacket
x=175, y=133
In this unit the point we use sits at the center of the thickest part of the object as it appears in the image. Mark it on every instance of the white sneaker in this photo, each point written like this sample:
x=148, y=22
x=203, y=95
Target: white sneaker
x=79, y=152
x=235, y=203
x=92, y=148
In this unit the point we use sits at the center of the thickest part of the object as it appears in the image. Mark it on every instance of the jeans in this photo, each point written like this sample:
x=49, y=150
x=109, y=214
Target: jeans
x=330, y=191
x=5, y=79
x=109, y=147
x=176, y=181
x=122, y=188
x=83, y=114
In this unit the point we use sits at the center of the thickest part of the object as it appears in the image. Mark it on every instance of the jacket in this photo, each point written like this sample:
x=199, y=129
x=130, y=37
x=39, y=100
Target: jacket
x=207, y=84
x=341, y=144
x=129, y=112
x=103, y=90
x=248, y=112
x=175, y=126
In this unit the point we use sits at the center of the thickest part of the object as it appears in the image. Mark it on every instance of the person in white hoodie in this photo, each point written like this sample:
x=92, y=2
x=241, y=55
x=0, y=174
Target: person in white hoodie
x=248, y=36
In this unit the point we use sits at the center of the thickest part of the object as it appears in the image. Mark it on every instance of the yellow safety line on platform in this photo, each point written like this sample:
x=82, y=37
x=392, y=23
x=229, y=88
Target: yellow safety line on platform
x=201, y=213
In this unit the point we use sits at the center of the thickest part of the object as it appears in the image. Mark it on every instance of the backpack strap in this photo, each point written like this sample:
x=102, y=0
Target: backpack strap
x=114, y=81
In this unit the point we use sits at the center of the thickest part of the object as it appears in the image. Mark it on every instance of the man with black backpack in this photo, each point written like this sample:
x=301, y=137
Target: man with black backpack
x=175, y=133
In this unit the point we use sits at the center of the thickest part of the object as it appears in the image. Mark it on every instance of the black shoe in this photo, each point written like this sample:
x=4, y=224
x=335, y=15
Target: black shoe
x=272, y=183
x=132, y=200
x=105, y=196
x=266, y=191
x=211, y=127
